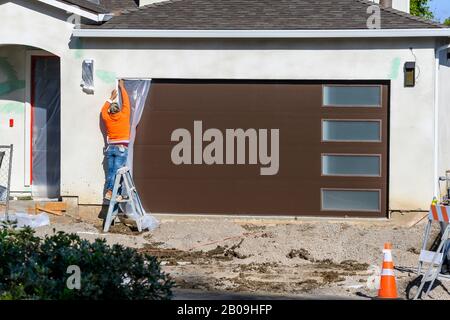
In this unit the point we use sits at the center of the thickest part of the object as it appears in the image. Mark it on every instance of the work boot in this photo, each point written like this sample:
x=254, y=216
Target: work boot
x=108, y=195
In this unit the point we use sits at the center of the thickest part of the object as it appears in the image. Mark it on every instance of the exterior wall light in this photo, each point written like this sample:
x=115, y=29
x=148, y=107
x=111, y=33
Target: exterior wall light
x=410, y=74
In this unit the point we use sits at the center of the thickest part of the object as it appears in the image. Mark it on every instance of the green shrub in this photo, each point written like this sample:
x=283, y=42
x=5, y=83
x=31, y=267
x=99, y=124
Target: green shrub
x=35, y=268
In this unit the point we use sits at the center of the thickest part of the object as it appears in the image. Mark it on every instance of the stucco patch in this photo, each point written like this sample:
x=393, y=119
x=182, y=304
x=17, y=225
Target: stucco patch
x=12, y=82
x=395, y=68
x=12, y=108
x=106, y=76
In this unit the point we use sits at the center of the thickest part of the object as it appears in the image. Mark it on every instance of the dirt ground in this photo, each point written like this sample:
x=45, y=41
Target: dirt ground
x=340, y=258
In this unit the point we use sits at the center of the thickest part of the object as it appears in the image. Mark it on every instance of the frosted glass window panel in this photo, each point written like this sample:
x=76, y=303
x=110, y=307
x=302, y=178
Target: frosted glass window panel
x=351, y=165
x=340, y=130
x=351, y=200
x=352, y=96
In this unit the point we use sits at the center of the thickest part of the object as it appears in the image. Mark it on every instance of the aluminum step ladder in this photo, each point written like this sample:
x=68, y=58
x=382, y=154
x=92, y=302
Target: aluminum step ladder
x=124, y=198
x=434, y=259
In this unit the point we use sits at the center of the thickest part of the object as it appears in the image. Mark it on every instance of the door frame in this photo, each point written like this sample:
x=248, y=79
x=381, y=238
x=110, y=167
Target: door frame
x=31, y=55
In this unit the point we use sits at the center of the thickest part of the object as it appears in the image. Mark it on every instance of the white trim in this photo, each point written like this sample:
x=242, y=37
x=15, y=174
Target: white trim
x=357, y=33
x=78, y=11
x=436, y=121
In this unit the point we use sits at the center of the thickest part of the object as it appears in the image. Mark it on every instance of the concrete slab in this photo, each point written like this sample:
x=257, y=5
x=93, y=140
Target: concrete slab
x=93, y=214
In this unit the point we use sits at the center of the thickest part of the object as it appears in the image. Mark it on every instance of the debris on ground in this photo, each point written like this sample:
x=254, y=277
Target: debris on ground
x=314, y=258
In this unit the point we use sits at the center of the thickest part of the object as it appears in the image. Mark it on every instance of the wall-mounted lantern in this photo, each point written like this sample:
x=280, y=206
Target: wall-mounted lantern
x=87, y=75
x=410, y=74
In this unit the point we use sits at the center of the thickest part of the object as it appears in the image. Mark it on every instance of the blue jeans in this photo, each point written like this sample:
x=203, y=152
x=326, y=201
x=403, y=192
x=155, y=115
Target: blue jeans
x=116, y=158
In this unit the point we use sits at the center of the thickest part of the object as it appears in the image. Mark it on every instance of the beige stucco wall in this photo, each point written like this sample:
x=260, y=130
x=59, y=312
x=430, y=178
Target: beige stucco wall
x=411, y=127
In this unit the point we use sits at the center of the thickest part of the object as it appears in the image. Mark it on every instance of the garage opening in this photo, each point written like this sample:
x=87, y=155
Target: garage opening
x=333, y=148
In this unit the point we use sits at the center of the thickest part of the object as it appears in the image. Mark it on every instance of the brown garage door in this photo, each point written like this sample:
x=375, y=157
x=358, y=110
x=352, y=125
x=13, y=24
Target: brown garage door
x=332, y=148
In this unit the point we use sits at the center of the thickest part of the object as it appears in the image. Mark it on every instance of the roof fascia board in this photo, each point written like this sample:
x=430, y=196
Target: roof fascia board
x=78, y=11
x=355, y=33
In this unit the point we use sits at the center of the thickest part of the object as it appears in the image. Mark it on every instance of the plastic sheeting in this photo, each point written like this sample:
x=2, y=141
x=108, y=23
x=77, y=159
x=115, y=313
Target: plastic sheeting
x=87, y=76
x=46, y=128
x=138, y=91
x=27, y=220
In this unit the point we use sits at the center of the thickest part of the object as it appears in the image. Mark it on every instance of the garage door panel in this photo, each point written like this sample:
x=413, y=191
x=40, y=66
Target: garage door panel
x=154, y=161
x=298, y=188
x=204, y=96
x=297, y=130
x=187, y=196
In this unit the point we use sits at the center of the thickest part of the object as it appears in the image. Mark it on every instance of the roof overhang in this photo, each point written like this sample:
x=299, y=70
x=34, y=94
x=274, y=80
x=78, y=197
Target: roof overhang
x=356, y=33
x=96, y=17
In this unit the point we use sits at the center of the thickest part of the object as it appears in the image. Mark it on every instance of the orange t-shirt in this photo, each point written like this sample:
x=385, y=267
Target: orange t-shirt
x=118, y=124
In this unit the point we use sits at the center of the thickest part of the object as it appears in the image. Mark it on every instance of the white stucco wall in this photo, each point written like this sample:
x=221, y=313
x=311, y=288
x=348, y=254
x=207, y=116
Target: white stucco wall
x=411, y=128
x=12, y=107
x=444, y=116
x=411, y=109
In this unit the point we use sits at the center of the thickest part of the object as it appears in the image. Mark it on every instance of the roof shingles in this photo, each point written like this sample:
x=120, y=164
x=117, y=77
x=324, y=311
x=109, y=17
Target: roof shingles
x=260, y=15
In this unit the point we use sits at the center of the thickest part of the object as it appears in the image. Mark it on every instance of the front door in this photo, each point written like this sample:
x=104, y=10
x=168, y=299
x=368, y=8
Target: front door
x=46, y=126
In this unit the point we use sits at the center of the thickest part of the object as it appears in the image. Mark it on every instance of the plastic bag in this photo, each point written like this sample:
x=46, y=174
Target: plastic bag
x=87, y=82
x=3, y=193
x=24, y=219
x=149, y=222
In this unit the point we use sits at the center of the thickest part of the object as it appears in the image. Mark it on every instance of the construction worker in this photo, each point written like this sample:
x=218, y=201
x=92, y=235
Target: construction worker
x=117, y=123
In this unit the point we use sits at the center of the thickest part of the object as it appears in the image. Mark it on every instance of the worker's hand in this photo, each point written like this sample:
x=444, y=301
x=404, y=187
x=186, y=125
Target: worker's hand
x=114, y=95
x=121, y=83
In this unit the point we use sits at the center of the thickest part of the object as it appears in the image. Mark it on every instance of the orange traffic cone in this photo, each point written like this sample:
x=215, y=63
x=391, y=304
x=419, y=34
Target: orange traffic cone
x=388, y=285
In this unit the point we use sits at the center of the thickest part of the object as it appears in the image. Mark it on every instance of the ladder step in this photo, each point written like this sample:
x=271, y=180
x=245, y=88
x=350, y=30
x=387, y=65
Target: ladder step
x=427, y=256
x=124, y=180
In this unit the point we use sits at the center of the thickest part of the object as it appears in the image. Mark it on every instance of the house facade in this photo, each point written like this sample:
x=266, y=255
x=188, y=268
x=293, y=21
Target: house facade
x=361, y=132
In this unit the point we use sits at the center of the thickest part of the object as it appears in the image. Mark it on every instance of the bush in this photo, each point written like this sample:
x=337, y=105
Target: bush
x=35, y=268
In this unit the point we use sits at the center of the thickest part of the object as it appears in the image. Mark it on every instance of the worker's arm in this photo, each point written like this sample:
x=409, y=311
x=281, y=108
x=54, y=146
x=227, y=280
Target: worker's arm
x=108, y=103
x=105, y=108
x=125, y=99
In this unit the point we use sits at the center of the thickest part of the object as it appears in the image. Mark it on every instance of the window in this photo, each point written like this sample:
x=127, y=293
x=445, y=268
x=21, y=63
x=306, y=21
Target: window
x=351, y=165
x=352, y=96
x=351, y=130
x=351, y=200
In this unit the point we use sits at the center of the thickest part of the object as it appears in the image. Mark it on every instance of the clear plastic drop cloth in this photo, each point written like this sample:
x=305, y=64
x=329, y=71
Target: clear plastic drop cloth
x=46, y=160
x=27, y=220
x=138, y=91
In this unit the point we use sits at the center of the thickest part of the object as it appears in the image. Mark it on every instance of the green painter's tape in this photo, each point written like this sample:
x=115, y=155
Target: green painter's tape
x=12, y=83
x=106, y=76
x=395, y=68
x=78, y=46
x=12, y=108
x=10, y=86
